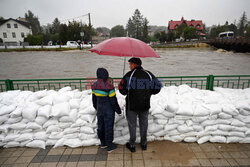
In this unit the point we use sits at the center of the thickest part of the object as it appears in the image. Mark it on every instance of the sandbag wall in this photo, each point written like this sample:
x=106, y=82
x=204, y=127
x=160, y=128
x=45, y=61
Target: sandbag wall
x=66, y=117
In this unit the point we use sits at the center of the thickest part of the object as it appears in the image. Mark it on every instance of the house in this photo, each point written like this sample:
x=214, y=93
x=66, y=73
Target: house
x=13, y=31
x=173, y=25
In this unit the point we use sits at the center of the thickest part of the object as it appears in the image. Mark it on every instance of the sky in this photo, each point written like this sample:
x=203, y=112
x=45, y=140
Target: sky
x=109, y=13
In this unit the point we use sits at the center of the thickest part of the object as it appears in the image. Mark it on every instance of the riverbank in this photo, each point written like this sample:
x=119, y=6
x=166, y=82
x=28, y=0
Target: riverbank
x=36, y=49
x=182, y=45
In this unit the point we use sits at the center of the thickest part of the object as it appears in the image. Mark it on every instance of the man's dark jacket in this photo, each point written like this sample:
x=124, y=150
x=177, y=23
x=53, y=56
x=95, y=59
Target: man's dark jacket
x=139, y=87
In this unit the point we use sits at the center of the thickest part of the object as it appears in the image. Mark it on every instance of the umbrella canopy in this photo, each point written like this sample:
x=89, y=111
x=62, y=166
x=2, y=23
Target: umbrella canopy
x=124, y=47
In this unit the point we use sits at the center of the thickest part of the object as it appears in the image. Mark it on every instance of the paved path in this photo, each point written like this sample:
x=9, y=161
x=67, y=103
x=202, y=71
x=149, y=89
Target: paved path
x=159, y=154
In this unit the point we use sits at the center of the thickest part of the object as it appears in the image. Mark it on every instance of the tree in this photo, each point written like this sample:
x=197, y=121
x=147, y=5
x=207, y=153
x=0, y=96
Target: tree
x=33, y=20
x=161, y=36
x=145, y=37
x=1, y=40
x=190, y=33
x=55, y=26
x=117, y=31
x=242, y=23
x=1, y=18
x=137, y=26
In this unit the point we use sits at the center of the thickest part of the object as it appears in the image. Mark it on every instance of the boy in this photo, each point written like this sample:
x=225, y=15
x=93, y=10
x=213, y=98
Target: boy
x=105, y=102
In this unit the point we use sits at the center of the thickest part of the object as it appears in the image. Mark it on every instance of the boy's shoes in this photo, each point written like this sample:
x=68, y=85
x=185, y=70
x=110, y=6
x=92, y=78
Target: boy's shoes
x=144, y=146
x=131, y=148
x=103, y=145
x=111, y=147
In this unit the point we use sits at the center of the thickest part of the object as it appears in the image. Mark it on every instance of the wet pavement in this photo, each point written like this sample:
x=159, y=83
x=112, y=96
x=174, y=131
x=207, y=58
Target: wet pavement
x=158, y=154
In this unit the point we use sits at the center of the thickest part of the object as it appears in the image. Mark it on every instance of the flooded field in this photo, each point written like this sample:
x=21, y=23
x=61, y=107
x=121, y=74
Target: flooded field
x=81, y=64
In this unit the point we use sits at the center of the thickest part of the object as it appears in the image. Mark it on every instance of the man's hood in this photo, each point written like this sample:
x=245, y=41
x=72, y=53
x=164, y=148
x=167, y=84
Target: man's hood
x=102, y=73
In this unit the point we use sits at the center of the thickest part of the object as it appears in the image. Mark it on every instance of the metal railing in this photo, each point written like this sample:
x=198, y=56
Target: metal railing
x=201, y=82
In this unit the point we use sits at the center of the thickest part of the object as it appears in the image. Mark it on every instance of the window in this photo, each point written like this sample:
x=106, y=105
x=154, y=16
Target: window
x=5, y=35
x=15, y=25
x=8, y=26
x=22, y=34
x=14, y=35
x=198, y=26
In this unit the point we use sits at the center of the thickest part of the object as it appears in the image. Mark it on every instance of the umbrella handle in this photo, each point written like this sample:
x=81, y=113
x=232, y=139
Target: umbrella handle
x=124, y=66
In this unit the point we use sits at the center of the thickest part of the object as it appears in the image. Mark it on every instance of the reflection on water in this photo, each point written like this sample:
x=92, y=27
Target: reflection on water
x=81, y=64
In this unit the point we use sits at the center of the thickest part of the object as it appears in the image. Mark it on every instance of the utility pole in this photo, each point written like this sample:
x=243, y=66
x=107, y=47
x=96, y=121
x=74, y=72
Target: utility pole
x=90, y=30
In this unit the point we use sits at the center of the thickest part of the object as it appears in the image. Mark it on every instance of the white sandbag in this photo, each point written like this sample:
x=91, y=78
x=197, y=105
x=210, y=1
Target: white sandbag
x=238, y=123
x=198, y=128
x=64, y=125
x=47, y=100
x=36, y=144
x=59, y=143
x=160, y=121
x=208, y=123
x=185, y=109
x=170, y=127
x=53, y=128
x=44, y=111
x=172, y=106
x=18, y=126
x=73, y=115
x=176, y=121
x=74, y=103
x=173, y=132
x=65, y=119
x=175, y=138
x=125, y=131
x=230, y=109
x=244, y=104
x=33, y=125
x=201, y=110
x=24, y=137
x=239, y=129
x=87, y=130
x=184, y=128
x=117, y=133
x=65, y=89
x=199, y=119
x=73, y=143
x=10, y=137
x=56, y=135
x=60, y=109
x=4, y=118
x=234, y=139
x=189, y=122
x=211, y=128
x=4, y=128
x=40, y=136
x=244, y=112
x=50, y=142
x=79, y=122
x=17, y=112
x=247, y=132
x=83, y=136
x=161, y=133
x=218, y=133
x=155, y=128
x=7, y=109
x=223, y=115
x=213, y=108
x=88, y=110
x=90, y=142
x=88, y=118
x=40, y=120
x=223, y=121
x=238, y=134
x=71, y=136
x=190, y=139
x=71, y=130
x=225, y=127
x=203, y=139
x=218, y=139
x=50, y=122
x=245, y=140
x=30, y=111
x=12, y=144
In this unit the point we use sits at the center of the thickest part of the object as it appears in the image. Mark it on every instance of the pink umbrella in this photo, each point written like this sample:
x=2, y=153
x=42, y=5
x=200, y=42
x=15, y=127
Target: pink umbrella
x=124, y=47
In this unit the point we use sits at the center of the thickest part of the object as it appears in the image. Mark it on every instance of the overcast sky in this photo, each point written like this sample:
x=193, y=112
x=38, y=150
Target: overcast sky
x=108, y=13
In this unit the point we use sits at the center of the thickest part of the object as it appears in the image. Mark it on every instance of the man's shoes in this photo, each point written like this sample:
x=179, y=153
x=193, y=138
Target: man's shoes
x=111, y=147
x=144, y=146
x=131, y=148
x=103, y=144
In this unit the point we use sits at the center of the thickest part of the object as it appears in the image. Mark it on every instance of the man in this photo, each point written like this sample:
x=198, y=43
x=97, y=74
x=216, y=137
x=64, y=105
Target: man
x=138, y=84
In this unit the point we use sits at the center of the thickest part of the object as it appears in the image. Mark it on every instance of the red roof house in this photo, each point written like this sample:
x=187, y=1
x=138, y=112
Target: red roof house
x=172, y=25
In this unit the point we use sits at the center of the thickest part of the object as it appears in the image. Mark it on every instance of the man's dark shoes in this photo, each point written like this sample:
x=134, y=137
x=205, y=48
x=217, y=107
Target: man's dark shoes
x=131, y=148
x=144, y=146
x=111, y=147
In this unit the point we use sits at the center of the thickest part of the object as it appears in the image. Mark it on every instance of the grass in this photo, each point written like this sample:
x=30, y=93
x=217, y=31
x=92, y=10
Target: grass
x=36, y=49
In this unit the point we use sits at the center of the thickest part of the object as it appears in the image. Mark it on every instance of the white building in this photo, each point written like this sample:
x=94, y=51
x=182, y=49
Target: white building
x=13, y=32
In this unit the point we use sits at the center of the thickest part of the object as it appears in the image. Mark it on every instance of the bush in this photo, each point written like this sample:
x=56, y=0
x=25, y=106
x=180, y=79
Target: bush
x=34, y=39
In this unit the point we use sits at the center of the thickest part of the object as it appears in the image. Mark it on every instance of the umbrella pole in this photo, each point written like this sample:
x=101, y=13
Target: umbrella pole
x=124, y=66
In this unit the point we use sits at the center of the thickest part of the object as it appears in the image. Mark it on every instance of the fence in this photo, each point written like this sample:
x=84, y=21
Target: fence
x=201, y=82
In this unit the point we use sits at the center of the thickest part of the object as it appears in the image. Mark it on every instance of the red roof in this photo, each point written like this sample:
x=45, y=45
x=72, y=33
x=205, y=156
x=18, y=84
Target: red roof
x=195, y=23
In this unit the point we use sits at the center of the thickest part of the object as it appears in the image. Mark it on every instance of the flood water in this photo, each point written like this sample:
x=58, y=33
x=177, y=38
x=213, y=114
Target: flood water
x=82, y=64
